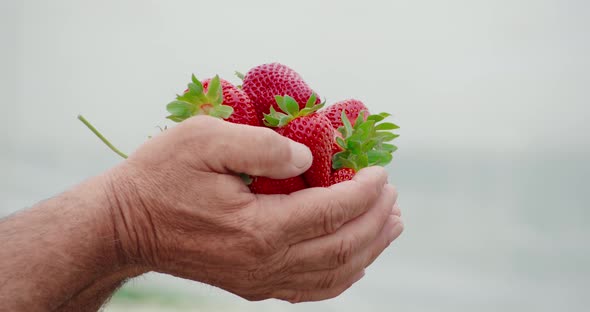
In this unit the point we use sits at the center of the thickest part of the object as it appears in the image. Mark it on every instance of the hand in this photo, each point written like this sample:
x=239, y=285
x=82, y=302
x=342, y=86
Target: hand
x=179, y=208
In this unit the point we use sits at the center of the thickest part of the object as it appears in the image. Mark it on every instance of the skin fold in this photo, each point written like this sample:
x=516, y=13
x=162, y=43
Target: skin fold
x=176, y=206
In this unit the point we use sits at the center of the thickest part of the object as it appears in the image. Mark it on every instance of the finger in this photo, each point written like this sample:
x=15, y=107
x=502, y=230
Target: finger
x=296, y=296
x=318, y=211
x=332, y=251
x=327, y=279
x=258, y=151
x=395, y=228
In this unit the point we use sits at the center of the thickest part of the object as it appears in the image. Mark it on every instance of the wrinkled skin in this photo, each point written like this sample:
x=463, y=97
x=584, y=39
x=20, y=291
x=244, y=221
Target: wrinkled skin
x=178, y=208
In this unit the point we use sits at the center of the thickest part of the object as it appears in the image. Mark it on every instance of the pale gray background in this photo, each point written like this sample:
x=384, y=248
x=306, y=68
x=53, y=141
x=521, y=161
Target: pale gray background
x=491, y=96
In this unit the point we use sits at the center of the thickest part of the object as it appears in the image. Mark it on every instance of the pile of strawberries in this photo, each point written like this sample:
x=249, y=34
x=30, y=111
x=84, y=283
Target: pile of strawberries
x=343, y=137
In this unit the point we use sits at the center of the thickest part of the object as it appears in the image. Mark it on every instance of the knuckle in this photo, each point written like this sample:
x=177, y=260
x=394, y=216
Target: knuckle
x=271, y=147
x=276, y=145
x=371, y=190
x=333, y=216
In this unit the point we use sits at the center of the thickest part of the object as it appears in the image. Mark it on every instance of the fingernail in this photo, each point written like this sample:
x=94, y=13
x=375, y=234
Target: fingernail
x=300, y=155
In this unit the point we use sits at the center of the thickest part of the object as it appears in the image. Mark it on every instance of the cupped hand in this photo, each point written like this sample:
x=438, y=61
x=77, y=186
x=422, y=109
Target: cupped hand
x=179, y=208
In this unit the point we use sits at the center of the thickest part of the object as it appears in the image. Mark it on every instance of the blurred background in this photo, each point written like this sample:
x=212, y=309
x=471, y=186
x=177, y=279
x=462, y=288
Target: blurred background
x=491, y=97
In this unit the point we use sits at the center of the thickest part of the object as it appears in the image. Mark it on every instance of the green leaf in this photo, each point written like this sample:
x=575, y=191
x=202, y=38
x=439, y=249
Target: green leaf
x=306, y=111
x=386, y=136
x=282, y=102
x=375, y=118
x=388, y=147
x=340, y=142
x=175, y=118
x=196, y=81
x=291, y=105
x=362, y=161
x=224, y=111
x=368, y=145
x=270, y=120
x=366, y=127
x=284, y=120
x=386, y=126
x=378, y=117
x=179, y=108
x=360, y=118
x=346, y=163
x=215, y=91
x=194, y=88
x=354, y=146
x=346, y=123
x=239, y=75
x=379, y=158
x=311, y=101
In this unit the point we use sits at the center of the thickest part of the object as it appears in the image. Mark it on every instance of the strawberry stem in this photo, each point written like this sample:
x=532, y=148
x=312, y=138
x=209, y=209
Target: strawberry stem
x=100, y=136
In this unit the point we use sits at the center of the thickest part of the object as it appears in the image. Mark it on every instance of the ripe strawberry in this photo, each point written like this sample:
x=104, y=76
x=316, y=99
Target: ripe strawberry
x=343, y=174
x=214, y=97
x=263, y=185
x=352, y=108
x=244, y=111
x=363, y=145
x=309, y=128
x=262, y=83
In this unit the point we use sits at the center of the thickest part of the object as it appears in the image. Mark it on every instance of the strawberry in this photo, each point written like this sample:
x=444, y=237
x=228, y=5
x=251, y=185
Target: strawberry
x=363, y=145
x=244, y=111
x=263, y=82
x=352, y=108
x=342, y=174
x=307, y=127
x=263, y=185
x=214, y=97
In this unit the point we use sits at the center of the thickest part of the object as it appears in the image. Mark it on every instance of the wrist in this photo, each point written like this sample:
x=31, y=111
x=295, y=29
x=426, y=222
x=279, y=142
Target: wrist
x=130, y=222
x=99, y=235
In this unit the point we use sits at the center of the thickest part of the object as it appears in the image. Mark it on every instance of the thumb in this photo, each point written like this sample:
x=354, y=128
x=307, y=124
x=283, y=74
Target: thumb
x=256, y=151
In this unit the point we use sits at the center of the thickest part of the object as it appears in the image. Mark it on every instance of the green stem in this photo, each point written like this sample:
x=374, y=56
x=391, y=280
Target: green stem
x=101, y=137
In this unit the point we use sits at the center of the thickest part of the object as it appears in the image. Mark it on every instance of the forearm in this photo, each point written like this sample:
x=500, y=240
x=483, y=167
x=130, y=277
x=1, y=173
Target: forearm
x=99, y=292
x=58, y=250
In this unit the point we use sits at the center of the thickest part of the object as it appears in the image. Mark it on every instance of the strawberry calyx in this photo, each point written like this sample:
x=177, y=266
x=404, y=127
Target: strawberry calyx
x=364, y=144
x=195, y=101
x=290, y=110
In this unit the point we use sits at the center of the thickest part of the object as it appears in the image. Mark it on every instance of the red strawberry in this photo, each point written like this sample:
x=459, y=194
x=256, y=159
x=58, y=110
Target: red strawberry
x=263, y=185
x=214, y=97
x=244, y=111
x=343, y=174
x=262, y=83
x=352, y=108
x=309, y=128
